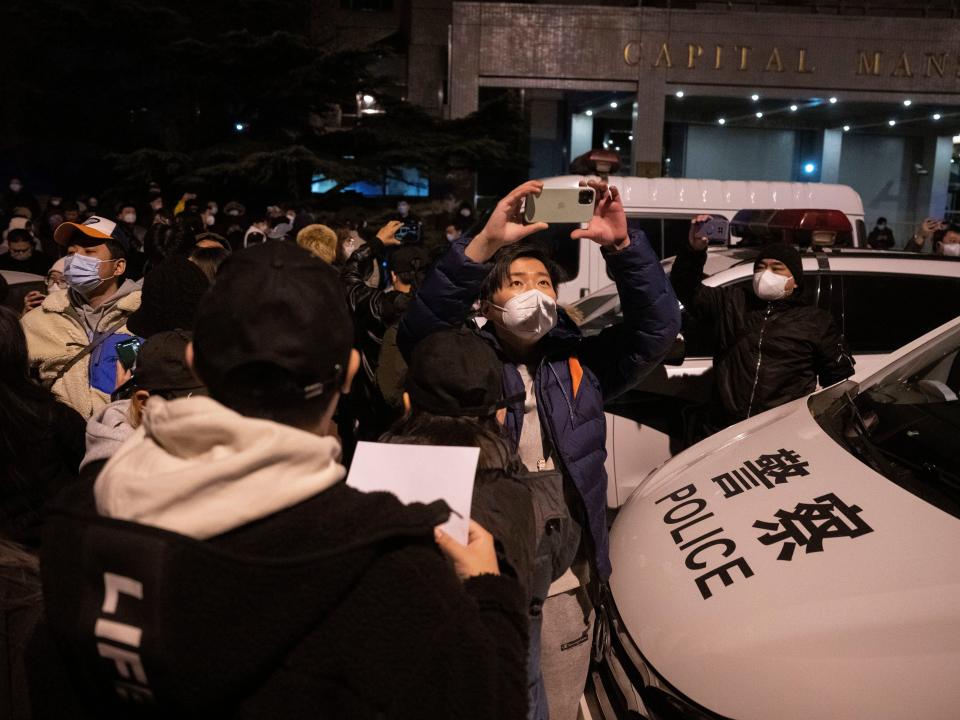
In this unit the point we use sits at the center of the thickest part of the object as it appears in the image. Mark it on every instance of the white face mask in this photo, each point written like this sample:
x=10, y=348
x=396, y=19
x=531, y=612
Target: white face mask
x=451, y=237
x=529, y=315
x=951, y=249
x=769, y=286
x=210, y=220
x=130, y=218
x=16, y=187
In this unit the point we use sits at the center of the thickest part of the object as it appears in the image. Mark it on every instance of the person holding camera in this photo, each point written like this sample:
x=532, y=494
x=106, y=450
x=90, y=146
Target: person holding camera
x=770, y=346
x=72, y=335
x=557, y=382
x=375, y=313
x=943, y=238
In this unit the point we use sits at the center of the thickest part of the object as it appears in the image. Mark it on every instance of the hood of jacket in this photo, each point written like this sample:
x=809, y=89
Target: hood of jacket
x=200, y=469
x=106, y=431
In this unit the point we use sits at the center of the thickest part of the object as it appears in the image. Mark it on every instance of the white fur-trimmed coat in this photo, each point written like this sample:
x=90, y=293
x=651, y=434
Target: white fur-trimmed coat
x=55, y=333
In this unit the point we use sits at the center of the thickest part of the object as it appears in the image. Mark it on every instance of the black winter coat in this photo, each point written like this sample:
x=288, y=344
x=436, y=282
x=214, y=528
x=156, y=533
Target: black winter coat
x=35, y=465
x=338, y=607
x=765, y=353
x=20, y=609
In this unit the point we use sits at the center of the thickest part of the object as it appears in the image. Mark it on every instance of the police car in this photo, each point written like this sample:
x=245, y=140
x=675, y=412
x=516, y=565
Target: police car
x=881, y=300
x=800, y=564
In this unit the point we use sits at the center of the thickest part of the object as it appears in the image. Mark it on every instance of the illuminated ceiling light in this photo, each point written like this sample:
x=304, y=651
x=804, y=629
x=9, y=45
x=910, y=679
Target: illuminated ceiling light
x=722, y=121
x=368, y=99
x=617, y=148
x=891, y=123
x=832, y=101
x=937, y=116
x=754, y=97
x=759, y=115
x=679, y=93
x=907, y=103
x=630, y=138
x=956, y=139
x=793, y=108
x=809, y=168
x=239, y=127
x=846, y=128
x=614, y=105
x=589, y=113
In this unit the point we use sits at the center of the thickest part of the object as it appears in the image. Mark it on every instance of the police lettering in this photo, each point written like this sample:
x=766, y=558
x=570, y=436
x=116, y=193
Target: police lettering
x=693, y=533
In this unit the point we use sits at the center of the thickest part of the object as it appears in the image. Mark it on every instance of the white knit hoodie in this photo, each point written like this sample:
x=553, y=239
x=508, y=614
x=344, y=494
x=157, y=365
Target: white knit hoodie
x=200, y=469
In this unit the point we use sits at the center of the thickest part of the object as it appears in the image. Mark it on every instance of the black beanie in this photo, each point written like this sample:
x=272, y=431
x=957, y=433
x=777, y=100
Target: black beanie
x=788, y=255
x=170, y=298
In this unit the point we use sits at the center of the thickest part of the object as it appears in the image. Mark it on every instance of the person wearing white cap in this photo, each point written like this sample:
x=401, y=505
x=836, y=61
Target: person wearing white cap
x=72, y=336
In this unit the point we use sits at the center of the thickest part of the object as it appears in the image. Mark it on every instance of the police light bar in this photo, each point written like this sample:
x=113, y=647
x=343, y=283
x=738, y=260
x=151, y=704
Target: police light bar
x=596, y=162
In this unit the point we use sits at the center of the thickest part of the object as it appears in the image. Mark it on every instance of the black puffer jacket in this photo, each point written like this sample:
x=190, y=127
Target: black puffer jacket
x=765, y=353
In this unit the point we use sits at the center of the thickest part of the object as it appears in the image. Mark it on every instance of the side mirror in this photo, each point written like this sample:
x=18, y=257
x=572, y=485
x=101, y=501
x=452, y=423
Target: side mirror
x=677, y=353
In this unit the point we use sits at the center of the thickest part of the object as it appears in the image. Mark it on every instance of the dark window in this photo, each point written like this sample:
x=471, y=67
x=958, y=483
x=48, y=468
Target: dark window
x=861, y=234
x=664, y=233
x=884, y=312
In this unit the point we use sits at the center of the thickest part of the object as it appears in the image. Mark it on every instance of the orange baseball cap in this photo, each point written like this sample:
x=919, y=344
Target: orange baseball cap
x=94, y=231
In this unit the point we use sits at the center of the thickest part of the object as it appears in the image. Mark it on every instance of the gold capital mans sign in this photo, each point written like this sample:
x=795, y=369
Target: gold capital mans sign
x=797, y=60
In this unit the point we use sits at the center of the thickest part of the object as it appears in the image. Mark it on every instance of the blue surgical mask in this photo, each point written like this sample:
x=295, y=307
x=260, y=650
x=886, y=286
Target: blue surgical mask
x=82, y=273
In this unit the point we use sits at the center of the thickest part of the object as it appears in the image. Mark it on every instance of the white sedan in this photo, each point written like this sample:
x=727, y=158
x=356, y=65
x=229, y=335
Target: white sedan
x=801, y=564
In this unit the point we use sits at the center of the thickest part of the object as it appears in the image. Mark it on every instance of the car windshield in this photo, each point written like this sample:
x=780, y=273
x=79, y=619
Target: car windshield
x=906, y=425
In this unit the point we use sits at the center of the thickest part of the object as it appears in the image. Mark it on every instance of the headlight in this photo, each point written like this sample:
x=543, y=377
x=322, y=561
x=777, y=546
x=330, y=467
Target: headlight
x=633, y=688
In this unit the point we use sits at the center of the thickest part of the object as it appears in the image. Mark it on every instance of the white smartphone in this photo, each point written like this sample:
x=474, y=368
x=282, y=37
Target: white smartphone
x=560, y=205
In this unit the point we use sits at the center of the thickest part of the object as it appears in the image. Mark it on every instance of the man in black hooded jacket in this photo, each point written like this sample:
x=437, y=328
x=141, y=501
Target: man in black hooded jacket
x=770, y=347
x=226, y=570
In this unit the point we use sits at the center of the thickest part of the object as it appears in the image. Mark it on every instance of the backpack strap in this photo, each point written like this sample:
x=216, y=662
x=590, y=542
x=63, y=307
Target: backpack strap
x=576, y=374
x=93, y=345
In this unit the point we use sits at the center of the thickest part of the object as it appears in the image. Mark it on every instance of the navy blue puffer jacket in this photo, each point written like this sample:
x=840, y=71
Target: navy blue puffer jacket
x=577, y=375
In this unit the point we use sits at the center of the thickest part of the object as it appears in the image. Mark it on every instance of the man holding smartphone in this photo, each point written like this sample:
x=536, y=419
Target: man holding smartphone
x=72, y=336
x=557, y=381
x=944, y=239
x=770, y=346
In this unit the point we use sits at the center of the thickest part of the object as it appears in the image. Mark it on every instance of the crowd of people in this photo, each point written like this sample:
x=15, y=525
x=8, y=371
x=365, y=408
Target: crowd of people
x=179, y=411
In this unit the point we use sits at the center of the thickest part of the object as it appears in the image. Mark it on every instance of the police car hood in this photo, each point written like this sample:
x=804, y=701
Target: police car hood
x=842, y=594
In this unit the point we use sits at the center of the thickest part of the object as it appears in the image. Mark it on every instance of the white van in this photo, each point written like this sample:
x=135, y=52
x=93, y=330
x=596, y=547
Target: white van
x=663, y=208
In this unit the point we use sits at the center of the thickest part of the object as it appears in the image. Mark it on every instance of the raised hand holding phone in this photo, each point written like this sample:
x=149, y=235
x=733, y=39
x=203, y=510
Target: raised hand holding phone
x=505, y=226
x=698, y=241
x=608, y=225
x=388, y=233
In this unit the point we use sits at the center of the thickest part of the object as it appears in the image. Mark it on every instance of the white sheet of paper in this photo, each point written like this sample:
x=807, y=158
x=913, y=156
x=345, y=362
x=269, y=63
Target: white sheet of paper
x=420, y=473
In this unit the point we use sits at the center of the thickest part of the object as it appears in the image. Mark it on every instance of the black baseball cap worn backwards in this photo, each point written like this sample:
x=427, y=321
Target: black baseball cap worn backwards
x=274, y=305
